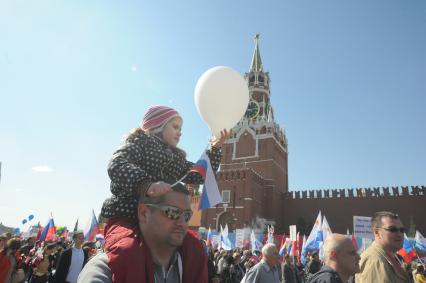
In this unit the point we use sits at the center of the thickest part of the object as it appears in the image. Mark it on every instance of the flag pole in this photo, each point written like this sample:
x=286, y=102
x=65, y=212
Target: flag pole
x=178, y=181
x=419, y=258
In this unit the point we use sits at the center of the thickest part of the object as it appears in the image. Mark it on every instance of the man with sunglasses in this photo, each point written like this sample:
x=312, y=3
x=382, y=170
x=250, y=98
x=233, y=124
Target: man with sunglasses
x=379, y=262
x=161, y=250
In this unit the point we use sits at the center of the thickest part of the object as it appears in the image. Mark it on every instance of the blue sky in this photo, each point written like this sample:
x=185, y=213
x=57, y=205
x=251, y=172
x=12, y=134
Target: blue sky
x=347, y=80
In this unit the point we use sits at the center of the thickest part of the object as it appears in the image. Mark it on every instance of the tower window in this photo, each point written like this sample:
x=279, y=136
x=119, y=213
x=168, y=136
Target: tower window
x=226, y=196
x=251, y=79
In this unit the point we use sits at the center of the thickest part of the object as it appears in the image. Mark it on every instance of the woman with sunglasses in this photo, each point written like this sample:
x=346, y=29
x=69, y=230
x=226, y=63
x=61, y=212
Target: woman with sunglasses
x=147, y=164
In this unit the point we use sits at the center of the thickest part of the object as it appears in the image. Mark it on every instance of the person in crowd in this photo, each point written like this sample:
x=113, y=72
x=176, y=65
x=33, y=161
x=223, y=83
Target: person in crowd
x=161, y=249
x=236, y=271
x=379, y=262
x=246, y=256
x=288, y=271
x=314, y=265
x=340, y=261
x=221, y=262
x=252, y=261
x=71, y=261
x=89, y=248
x=419, y=274
x=42, y=265
x=299, y=269
x=8, y=262
x=266, y=271
x=225, y=274
x=3, y=241
x=212, y=276
x=28, y=245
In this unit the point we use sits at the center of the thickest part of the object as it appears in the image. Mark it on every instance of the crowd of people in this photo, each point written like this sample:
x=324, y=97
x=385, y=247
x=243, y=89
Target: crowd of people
x=32, y=261
x=340, y=263
x=65, y=260
x=147, y=239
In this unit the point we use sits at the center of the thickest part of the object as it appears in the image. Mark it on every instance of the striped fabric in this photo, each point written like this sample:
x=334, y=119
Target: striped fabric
x=156, y=117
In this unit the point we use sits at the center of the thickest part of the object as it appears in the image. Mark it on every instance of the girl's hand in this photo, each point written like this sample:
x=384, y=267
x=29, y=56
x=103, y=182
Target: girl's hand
x=218, y=142
x=158, y=189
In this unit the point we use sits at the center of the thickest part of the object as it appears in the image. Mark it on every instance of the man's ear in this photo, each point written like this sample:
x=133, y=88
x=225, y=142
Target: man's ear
x=333, y=255
x=376, y=233
x=143, y=212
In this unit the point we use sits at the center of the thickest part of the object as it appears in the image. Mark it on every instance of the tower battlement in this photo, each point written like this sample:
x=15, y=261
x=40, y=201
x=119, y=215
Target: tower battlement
x=375, y=192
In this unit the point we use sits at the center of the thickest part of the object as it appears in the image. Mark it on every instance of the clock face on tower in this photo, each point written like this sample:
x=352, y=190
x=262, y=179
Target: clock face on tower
x=253, y=109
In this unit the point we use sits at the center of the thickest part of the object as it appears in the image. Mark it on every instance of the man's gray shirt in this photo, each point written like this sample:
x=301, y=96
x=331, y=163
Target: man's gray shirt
x=98, y=271
x=262, y=273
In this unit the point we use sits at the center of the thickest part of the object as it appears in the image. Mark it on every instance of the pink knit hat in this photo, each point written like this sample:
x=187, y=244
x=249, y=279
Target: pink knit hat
x=156, y=117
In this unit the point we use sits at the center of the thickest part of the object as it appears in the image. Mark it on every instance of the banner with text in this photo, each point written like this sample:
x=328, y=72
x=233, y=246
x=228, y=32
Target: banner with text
x=362, y=227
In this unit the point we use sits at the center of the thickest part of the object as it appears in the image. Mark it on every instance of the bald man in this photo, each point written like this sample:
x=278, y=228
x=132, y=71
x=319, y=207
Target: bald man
x=340, y=258
x=267, y=270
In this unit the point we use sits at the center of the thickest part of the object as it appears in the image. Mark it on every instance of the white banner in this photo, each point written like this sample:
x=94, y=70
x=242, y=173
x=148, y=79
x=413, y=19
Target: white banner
x=239, y=238
x=362, y=227
x=216, y=241
x=293, y=232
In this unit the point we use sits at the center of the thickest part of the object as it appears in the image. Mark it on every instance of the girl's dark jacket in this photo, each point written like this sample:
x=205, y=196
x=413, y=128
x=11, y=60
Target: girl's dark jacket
x=145, y=159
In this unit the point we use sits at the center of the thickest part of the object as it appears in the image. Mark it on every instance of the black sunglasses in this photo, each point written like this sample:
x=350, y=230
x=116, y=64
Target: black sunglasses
x=173, y=213
x=393, y=229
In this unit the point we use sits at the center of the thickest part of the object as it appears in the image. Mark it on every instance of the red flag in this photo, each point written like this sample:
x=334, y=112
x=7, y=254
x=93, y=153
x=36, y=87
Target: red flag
x=295, y=249
x=407, y=256
x=39, y=232
x=354, y=241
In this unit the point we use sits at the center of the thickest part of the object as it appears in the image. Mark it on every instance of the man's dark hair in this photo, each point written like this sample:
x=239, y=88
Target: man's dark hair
x=76, y=234
x=179, y=188
x=376, y=221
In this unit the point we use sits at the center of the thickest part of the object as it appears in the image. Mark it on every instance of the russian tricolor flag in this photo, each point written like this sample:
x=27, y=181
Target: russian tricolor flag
x=210, y=195
x=49, y=231
x=92, y=228
x=285, y=242
x=209, y=237
x=408, y=252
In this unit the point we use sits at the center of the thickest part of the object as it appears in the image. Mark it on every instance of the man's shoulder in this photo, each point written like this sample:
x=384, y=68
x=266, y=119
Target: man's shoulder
x=67, y=252
x=371, y=254
x=96, y=270
x=325, y=275
x=259, y=266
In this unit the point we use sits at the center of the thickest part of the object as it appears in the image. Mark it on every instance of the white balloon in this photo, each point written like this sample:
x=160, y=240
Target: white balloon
x=221, y=98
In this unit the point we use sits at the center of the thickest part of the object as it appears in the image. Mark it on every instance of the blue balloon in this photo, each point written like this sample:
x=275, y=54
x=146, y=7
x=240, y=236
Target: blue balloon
x=16, y=231
x=30, y=217
x=24, y=221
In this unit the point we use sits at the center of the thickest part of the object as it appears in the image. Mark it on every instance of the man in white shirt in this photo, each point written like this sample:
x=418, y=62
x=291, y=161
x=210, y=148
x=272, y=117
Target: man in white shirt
x=71, y=261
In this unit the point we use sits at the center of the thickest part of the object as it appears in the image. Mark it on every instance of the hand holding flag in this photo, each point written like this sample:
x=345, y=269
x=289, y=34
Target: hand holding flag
x=210, y=195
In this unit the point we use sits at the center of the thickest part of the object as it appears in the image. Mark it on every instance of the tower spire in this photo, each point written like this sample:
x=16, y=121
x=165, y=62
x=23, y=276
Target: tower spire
x=256, y=62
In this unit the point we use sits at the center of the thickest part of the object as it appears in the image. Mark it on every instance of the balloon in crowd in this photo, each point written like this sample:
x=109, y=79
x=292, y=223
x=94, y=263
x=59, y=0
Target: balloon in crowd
x=221, y=98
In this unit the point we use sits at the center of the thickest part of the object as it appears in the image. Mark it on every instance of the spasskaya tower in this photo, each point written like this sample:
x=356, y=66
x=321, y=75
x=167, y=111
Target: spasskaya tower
x=253, y=175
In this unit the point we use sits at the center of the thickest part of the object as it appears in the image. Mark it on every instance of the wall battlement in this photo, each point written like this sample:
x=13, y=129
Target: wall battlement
x=376, y=192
